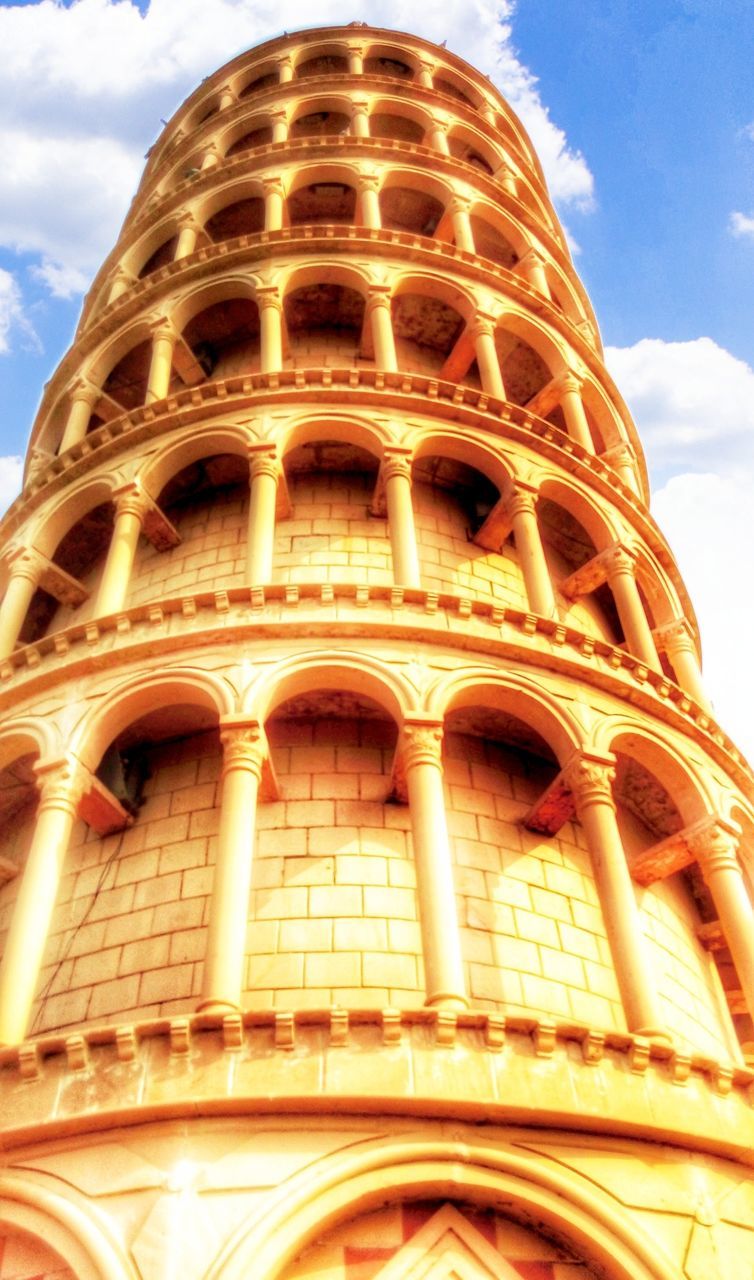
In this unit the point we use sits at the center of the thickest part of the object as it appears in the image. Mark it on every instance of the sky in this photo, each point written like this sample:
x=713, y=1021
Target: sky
x=642, y=112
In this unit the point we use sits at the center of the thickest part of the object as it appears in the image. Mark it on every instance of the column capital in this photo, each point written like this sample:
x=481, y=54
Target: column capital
x=130, y=499
x=188, y=219
x=482, y=322
x=162, y=327
x=675, y=636
x=521, y=498
x=568, y=380
x=83, y=390
x=532, y=257
x=278, y=115
x=440, y=123
x=360, y=107
x=273, y=186
x=62, y=782
x=26, y=562
x=458, y=204
x=268, y=296
x=713, y=842
x=617, y=559
x=590, y=777
x=369, y=182
x=284, y=61
x=396, y=462
x=379, y=295
x=421, y=742
x=244, y=744
x=263, y=461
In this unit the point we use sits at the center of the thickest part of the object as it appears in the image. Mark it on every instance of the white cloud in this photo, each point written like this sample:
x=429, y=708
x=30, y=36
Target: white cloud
x=12, y=314
x=83, y=87
x=741, y=226
x=11, y=469
x=693, y=401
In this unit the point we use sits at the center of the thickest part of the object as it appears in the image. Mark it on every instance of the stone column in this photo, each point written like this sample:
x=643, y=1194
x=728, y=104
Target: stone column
x=369, y=200
x=244, y=754
x=211, y=157
x=482, y=334
x=62, y=784
x=676, y=639
x=507, y=179
x=227, y=98
x=715, y=846
x=264, y=471
x=437, y=136
x=83, y=400
x=285, y=69
x=569, y=387
x=279, y=126
x=532, y=268
x=271, y=325
x=590, y=779
x=396, y=472
x=421, y=745
x=623, y=462
x=121, y=283
x=461, y=222
x=360, y=119
x=23, y=579
x=621, y=577
x=381, y=322
x=521, y=506
x=188, y=235
x=424, y=77
x=274, y=204
x=355, y=61
x=131, y=506
x=164, y=339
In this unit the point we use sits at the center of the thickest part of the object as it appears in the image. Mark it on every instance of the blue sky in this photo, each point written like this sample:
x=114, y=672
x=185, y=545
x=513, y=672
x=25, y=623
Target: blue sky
x=643, y=114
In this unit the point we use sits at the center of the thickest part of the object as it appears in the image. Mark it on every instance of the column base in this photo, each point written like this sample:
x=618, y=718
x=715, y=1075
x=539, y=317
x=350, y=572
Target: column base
x=446, y=1000
x=217, y=1006
x=653, y=1033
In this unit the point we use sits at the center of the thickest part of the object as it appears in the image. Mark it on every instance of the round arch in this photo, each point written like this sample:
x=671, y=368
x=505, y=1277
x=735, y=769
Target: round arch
x=221, y=289
x=349, y=430
x=501, y=221
x=455, y=445
x=136, y=697
x=321, y=101
x=345, y=670
x=66, y=1227
x=640, y=742
x=536, y=335
x=101, y=364
x=327, y=49
x=325, y=272
x=72, y=506
x=595, y=520
x=424, y=183
x=228, y=193
x=391, y=53
x=251, y=121
x=509, y=1181
x=437, y=287
x=176, y=455
x=480, y=686
x=26, y=737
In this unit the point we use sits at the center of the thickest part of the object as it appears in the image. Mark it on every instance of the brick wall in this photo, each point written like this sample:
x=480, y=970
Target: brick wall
x=330, y=535
x=212, y=551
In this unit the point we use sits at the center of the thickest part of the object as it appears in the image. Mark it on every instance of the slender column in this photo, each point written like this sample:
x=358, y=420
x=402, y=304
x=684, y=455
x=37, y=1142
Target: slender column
x=131, y=507
x=164, y=339
x=369, y=187
x=482, y=334
x=532, y=268
x=274, y=204
x=507, y=179
x=522, y=510
x=572, y=405
x=590, y=779
x=280, y=126
x=396, y=472
x=360, y=119
x=621, y=576
x=355, y=61
x=437, y=136
x=23, y=579
x=264, y=471
x=425, y=75
x=188, y=235
x=716, y=849
x=83, y=400
x=62, y=784
x=381, y=322
x=285, y=68
x=227, y=98
x=459, y=216
x=623, y=462
x=676, y=639
x=244, y=754
x=211, y=157
x=271, y=324
x=422, y=760
x=121, y=283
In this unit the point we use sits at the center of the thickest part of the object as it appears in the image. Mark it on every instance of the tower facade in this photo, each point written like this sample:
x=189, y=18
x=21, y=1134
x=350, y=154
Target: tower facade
x=375, y=895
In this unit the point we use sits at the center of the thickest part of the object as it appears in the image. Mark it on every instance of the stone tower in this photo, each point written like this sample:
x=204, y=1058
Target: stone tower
x=375, y=899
